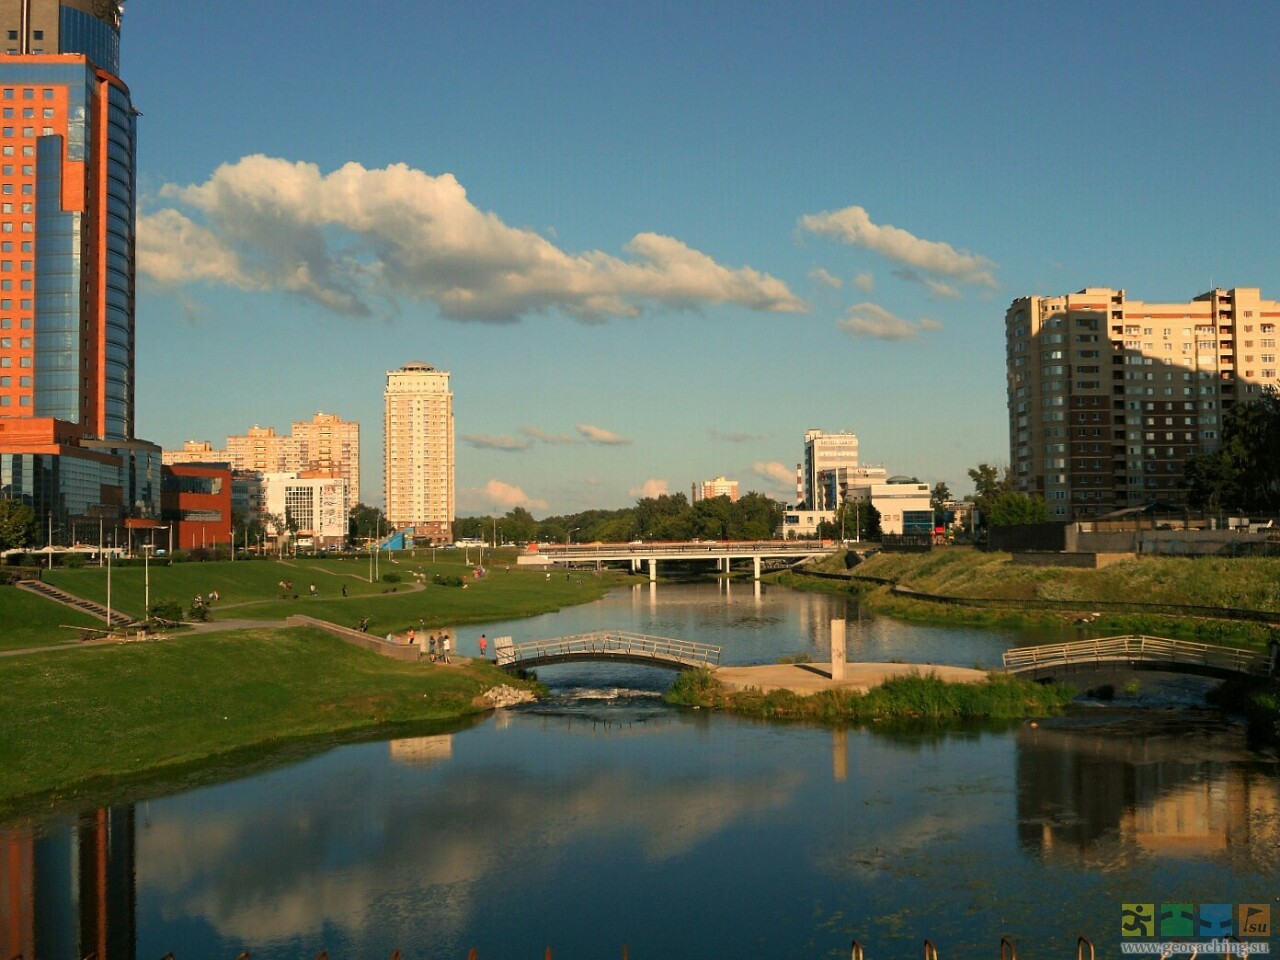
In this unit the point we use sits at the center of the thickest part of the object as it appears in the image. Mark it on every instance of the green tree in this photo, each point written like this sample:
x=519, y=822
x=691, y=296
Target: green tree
x=1244, y=472
x=17, y=524
x=1012, y=508
x=364, y=522
x=938, y=500
x=518, y=525
x=989, y=483
x=755, y=517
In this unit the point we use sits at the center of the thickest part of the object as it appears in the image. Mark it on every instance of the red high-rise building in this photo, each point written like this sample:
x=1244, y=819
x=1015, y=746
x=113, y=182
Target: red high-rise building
x=67, y=251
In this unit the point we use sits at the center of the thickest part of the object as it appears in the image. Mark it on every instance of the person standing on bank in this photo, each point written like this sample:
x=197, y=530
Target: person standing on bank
x=483, y=646
x=444, y=647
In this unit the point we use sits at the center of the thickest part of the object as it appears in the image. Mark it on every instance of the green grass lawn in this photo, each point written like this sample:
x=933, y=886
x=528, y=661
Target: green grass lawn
x=1245, y=582
x=102, y=717
x=28, y=620
x=249, y=589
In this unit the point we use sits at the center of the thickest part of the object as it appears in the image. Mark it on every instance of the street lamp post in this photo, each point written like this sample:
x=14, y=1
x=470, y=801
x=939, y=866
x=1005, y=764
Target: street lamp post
x=568, y=537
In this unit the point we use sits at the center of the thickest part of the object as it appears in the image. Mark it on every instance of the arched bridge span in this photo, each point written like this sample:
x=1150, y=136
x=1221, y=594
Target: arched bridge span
x=1135, y=653
x=609, y=645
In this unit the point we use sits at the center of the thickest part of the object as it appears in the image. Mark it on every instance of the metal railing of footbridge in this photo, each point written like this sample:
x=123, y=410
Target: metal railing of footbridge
x=610, y=645
x=1137, y=651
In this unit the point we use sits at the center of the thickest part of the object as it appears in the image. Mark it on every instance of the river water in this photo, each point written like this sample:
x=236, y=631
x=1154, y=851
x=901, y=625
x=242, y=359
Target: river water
x=601, y=817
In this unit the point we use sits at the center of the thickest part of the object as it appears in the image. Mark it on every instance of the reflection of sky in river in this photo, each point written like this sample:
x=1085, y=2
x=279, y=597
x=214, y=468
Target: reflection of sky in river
x=689, y=835
x=596, y=819
x=755, y=623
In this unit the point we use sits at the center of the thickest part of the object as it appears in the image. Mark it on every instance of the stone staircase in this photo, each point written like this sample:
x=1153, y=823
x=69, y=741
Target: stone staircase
x=97, y=610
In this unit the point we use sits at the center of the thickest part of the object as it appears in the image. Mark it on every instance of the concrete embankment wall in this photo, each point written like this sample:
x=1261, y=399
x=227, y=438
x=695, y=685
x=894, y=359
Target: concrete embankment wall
x=396, y=651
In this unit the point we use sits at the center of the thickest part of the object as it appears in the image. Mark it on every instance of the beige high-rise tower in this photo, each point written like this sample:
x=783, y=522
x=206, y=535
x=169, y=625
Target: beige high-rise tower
x=418, y=451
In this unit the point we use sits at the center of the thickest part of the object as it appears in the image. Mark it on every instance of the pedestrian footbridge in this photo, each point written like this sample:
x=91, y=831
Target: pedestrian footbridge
x=608, y=645
x=1053, y=660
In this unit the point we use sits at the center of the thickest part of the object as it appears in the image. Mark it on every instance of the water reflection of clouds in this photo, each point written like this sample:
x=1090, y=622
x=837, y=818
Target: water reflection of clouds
x=397, y=841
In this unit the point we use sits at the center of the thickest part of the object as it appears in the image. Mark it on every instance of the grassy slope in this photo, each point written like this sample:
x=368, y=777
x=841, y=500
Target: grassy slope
x=249, y=589
x=28, y=620
x=118, y=712
x=1249, y=583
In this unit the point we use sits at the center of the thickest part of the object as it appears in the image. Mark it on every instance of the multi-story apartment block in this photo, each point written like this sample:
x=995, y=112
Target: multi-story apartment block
x=196, y=451
x=67, y=254
x=823, y=451
x=719, y=487
x=418, y=451
x=1108, y=397
x=325, y=445
x=264, y=450
x=331, y=445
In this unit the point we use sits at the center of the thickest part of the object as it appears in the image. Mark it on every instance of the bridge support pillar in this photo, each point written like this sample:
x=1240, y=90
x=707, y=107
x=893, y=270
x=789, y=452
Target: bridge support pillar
x=837, y=649
x=653, y=569
x=755, y=565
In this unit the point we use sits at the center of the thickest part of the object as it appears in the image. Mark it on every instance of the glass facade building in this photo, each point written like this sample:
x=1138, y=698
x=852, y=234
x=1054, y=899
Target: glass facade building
x=68, y=146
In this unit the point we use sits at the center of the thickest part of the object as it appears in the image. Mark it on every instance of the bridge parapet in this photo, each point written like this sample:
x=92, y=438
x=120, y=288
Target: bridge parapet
x=610, y=645
x=1140, y=651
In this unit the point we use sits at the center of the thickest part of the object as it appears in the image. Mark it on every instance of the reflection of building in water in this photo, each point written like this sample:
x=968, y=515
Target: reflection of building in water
x=1091, y=794
x=422, y=749
x=71, y=893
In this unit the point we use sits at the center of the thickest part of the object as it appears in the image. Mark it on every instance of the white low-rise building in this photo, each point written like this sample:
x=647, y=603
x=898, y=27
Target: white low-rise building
x=316, y=505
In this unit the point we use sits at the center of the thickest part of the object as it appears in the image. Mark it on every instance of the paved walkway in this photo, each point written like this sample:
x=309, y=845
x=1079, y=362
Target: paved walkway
x=809, y=678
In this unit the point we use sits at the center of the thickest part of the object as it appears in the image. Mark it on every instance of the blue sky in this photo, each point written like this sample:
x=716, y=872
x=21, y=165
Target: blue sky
x=654, y=243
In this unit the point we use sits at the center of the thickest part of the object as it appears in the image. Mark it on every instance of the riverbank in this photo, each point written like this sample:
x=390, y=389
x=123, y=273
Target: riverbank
x=82, y=728
x=1232, y=601
x=902, y=698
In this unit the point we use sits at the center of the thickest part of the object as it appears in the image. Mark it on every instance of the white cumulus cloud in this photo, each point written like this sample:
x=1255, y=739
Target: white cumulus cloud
x=506, y=496
x=601, y=436
x=652, y=487
x=776, y=472
x=873, y=320
x=357, y=240
x=826, y=278
x=854, y=226
x=865, y=281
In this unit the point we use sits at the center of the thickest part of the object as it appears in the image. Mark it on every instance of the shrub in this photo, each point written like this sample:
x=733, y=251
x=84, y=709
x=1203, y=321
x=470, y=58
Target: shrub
x=166, y=610
x=198, y=614
x=73, y=561
x=441, y=580
x=391, y=577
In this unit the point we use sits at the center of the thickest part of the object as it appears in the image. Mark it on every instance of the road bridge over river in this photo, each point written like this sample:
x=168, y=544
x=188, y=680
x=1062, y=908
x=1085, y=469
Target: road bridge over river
x=721, y=552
